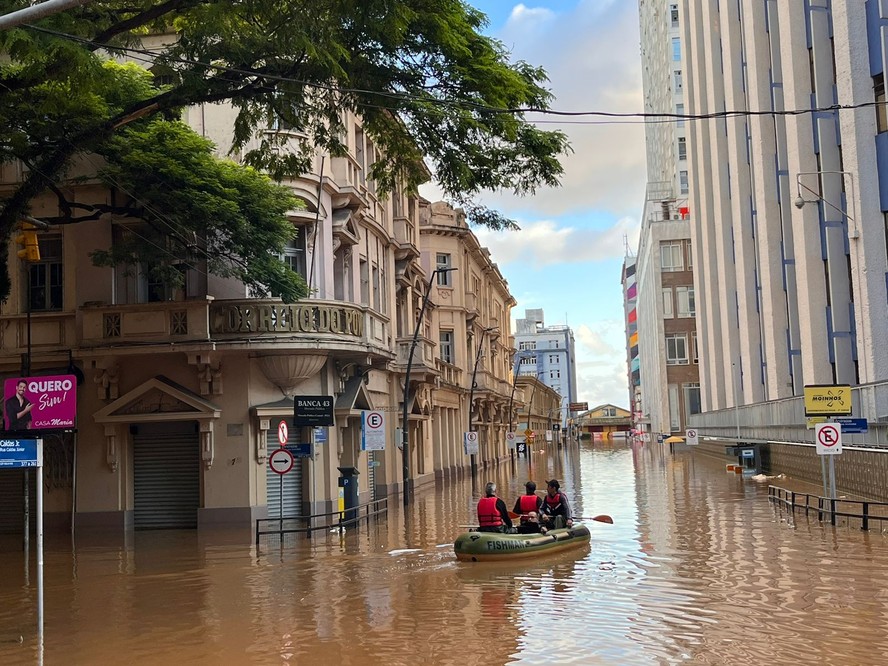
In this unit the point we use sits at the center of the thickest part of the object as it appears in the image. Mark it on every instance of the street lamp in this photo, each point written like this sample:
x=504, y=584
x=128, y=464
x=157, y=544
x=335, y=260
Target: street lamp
x=472, y=386
x=853, y=234
x=405, y=433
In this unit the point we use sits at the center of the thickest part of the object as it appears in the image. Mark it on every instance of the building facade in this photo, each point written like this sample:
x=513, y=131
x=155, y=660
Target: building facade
x=789, y=205
x=666, y=391
x=549, y=354
x=184, y=392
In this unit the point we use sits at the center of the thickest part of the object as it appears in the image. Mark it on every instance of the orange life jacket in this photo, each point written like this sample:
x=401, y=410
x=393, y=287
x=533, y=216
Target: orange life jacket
x=488, y=516
x=527, y=503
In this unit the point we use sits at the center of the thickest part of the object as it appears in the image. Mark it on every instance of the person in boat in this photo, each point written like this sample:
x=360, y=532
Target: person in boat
x=555, y=508
x=493, y=516
x=528, y=505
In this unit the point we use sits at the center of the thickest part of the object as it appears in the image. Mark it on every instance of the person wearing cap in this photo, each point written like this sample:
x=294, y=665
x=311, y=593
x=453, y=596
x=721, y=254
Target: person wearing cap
x=528, y=505
x=555, y=508
x=493, y=516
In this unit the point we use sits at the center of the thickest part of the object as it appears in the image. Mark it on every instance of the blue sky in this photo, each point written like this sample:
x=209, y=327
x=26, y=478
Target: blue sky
x=567, y=257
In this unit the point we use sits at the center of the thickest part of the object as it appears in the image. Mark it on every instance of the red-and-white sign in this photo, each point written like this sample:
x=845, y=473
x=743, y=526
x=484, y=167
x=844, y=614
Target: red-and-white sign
x=280, y=461
x=828, y=437
x=283, y=433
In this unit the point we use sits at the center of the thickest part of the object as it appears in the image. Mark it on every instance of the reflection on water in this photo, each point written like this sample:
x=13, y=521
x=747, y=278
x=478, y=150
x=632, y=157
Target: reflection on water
x=697, y=567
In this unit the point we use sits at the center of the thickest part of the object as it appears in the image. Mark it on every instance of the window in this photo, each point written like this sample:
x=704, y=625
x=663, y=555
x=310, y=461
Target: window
x=555, y=374
x=442, y=263
x=679, y=111
x=670, y=257
x=676, y=349
x=528, y=360
x=683, y=182
x=880, y=108
x=522, y=346
x=364, y=268
x=694, y=343
x=610, y=411
x=676, y=49
x=553, y=359
x=668, y=312
x=673, y=15
x=45, y=276
x=674, y=412
x=682, y=148
x=690, y=256
x=691, y=398
x=294, y=253
x=685, y=298
x=446, y=347
x=676, y=75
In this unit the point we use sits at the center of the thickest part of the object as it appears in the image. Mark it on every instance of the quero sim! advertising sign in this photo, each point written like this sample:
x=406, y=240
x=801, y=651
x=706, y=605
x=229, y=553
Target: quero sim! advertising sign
x=39, y=403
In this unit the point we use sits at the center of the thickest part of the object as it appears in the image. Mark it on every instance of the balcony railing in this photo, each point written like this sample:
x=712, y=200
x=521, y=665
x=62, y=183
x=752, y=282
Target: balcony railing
x=449, y=373
x=424, y=354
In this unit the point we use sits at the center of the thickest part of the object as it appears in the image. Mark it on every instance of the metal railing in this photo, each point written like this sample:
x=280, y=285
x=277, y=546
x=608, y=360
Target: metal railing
x=344, y=519
x=862, y=510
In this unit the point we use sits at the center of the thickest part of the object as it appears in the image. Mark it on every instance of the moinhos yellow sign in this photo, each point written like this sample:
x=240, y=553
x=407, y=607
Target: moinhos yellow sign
x=827, y=400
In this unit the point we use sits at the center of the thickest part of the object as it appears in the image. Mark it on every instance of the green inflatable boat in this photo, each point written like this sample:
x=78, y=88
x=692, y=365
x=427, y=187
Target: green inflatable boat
x=491, y=546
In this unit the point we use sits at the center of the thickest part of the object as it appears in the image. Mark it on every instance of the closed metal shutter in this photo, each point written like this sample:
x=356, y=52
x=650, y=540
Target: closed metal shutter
x=12, y=504
x=166, y=476
x=292, y=480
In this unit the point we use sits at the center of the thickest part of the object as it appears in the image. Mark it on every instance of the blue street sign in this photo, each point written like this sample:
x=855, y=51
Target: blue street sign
x=300, y=450
x=852, y=426
x=320, y=434
x=20, y=453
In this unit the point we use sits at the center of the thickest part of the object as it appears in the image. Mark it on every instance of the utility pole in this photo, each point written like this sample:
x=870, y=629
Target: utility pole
x=38, y=11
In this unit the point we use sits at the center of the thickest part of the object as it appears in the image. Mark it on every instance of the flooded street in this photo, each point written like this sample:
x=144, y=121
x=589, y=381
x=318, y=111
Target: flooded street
x=696, y=567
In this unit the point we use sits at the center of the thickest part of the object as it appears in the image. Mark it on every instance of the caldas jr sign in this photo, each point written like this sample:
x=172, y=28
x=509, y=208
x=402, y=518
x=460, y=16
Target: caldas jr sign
x=39, y=403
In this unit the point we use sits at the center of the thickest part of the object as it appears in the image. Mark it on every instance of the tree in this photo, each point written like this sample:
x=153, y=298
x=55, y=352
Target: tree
x=432, y=91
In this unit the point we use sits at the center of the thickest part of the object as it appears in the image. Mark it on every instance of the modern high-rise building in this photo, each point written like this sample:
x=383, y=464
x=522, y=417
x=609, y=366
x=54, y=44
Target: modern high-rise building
x=788, y=194
x=658, y=283
x=548, y=353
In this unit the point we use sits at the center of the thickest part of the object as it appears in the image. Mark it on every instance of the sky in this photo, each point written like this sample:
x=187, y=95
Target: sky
x=568, y=255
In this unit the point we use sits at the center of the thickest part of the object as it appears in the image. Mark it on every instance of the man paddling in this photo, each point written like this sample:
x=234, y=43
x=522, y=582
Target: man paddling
x=556, y=509
x=493, y=516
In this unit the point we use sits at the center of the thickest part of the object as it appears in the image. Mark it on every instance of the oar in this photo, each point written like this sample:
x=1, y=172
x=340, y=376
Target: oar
x=603, y=518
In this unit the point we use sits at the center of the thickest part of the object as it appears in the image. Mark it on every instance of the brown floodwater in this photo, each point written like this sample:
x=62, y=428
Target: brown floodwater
x=697, y=567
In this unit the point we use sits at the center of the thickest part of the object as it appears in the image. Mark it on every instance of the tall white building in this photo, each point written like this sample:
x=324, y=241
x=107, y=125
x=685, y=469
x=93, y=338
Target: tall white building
x=662, y=330
x=548, y=353
x=789, y=194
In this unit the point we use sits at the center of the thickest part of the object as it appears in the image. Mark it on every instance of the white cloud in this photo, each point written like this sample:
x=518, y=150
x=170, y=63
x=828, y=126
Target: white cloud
x=594, y=342
x=601, y=382
x=591, y=55
x=522, y=15
x=546, y=242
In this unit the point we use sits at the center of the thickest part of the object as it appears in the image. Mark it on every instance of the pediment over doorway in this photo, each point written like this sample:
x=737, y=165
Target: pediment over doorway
x=158, y=399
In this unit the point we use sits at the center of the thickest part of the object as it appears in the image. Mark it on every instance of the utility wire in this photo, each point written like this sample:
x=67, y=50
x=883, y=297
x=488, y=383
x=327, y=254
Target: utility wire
x=408, y=97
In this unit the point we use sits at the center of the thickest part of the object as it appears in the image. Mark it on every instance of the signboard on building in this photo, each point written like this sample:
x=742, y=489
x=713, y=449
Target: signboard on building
x=312, y=410
x=828, y=400
x=39, y=403
x=579, y=406
x=372, y=431
x=470, y=443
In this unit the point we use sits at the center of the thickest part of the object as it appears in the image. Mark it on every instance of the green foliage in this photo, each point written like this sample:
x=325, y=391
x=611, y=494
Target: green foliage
x=435, y=95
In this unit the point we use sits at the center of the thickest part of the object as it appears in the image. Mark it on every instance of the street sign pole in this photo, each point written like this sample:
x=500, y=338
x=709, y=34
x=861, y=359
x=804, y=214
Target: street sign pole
x=832, y=477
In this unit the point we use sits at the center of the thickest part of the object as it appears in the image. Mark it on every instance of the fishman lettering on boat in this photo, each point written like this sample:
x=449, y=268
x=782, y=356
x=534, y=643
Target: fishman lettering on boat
x=506, y=545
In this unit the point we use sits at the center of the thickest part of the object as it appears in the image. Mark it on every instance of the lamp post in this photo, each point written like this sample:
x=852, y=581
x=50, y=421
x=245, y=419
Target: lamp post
x=405, y=433
x=853, y=234
x=472, y=386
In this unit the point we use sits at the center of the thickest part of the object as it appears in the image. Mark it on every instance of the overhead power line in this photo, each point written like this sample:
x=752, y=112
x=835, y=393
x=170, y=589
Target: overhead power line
x=620, y=117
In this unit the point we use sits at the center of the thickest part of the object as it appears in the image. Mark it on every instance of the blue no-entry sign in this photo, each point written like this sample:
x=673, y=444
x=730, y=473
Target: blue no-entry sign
x=20, y=453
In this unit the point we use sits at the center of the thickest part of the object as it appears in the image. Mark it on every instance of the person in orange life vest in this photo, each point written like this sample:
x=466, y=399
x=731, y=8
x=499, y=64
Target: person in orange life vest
x=528, y=505
x=556, y=509
x=493, y=516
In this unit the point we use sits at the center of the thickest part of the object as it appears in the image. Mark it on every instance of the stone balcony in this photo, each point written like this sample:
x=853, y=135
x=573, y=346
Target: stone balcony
x=343, y=328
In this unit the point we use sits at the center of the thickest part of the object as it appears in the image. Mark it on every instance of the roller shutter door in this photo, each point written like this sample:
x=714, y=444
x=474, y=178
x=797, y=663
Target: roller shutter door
x=12, y=505
x=166, y=476
x=292, y=490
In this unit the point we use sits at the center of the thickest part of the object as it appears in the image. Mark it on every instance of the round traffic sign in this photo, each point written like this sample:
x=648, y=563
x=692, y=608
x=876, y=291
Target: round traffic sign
x=281, y=461
x=283, y=433
x=472, y=436
x=828, y=435
x=374, y=420
x=691, y=433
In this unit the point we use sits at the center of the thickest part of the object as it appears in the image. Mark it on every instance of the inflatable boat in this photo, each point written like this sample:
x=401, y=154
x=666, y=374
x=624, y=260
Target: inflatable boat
x=491, y=546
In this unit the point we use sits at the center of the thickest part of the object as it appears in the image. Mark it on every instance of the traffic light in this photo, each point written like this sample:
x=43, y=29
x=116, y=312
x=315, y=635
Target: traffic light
x=28, y=240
